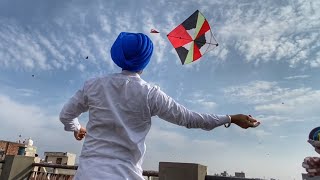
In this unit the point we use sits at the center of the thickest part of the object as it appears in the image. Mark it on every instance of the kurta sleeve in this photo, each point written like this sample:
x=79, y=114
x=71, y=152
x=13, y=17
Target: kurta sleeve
x=166, y=108
x=72, y=109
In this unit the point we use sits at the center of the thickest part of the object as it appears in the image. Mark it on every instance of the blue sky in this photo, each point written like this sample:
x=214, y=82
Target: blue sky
x=267, y=65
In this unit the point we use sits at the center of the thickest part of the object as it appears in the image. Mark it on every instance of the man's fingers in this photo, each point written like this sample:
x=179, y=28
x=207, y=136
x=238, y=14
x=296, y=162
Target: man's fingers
x=83, y=130
x=253, y=123
x=315, y=161
x=315, y=170
x=79, y=136
x=252, y=119
x=82, y=134
x=305, y=165
x=256, y=124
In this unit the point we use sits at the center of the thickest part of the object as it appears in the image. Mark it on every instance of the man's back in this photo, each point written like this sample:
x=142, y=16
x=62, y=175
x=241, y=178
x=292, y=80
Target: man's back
x=120, y=110
x=119, y=120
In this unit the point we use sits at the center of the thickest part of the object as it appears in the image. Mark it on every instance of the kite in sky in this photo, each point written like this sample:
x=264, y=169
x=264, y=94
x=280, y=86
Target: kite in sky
x=154, y=31
x=192, y=38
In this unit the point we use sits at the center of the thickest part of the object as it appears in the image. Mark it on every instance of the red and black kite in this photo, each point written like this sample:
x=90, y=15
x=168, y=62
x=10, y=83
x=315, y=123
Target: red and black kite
x=192, y=38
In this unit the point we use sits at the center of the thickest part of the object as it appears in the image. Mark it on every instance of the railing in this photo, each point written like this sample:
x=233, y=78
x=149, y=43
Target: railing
x=45, y=171
x=150, y=174
x=1, y=166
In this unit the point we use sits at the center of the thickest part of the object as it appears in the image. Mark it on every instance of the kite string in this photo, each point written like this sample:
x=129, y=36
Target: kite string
x=212, y=37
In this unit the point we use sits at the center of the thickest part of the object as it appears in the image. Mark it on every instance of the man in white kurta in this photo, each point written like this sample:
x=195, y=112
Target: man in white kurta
x=120, y=108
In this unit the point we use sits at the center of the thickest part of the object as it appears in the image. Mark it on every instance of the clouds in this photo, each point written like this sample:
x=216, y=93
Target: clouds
x=202, y=101
x=271, y=98
x=171, y=145
x=160, y=44
x=18, y=48
x=297, y=77
x=61, y=43
x=180, y=141
x=262, y=32
x=255, y=92
x=259, y=32
x=32, y=121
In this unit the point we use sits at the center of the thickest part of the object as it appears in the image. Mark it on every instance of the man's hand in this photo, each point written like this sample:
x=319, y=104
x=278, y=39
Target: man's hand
x=315, y=144
x=244, y=121
x=79, y=135
x=312, y=166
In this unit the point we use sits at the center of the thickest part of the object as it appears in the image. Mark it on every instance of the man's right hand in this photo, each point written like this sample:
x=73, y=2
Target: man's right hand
x=244, y=121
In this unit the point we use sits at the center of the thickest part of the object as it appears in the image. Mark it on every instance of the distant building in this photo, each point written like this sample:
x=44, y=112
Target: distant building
x=240, y=174
x=25, y=148
x=63, y=158
x=210, y=177
x=226, y=176
x=224, y=173
x=306, y=177
x=9, y=148
x=30, y=149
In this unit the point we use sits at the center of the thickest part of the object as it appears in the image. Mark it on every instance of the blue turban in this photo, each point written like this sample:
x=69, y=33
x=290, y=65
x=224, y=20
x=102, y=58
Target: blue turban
x=132, y=51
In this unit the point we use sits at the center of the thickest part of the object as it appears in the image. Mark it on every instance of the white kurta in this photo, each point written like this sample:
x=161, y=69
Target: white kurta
x=120, y=109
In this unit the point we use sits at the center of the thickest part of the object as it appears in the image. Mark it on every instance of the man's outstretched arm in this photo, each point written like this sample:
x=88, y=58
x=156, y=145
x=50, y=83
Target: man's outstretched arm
x=166, y=108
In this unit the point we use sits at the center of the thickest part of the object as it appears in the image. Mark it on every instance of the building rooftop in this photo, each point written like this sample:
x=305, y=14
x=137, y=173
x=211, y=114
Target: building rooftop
x=60, y=154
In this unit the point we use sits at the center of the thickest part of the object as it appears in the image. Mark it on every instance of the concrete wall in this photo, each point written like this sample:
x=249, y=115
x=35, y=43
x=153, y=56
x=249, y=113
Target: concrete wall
x=66, y=171
x=31, y=151
x=181, y=171
x=71, y=159
x=306, y=177
x=53, y=159
x=67, y=158
x=16, y=167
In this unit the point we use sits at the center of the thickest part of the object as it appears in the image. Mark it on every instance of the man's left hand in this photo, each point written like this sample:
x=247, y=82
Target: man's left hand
x=79, y=135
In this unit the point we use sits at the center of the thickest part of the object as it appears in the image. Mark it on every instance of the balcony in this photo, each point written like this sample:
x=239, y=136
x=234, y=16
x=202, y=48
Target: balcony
x=45, y=171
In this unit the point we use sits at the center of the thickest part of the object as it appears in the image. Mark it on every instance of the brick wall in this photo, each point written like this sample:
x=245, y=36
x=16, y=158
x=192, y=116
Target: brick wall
x=9, y=148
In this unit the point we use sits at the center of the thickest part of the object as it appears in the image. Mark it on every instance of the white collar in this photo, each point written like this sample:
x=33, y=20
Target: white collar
x=130, y=73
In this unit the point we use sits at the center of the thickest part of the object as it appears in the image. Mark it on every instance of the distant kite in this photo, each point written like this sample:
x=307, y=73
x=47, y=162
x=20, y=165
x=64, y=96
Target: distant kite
x=154, y=31
x=87, y=57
